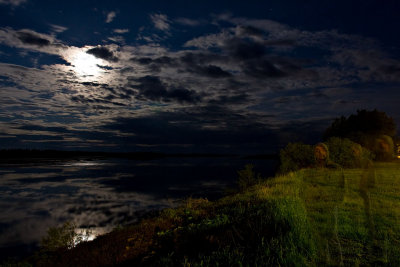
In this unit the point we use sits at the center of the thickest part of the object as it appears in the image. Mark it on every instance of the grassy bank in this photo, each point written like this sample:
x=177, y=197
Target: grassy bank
x=311, y=217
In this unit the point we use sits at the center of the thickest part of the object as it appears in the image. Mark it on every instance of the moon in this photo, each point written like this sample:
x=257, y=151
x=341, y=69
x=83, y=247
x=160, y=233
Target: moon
x=86, y=65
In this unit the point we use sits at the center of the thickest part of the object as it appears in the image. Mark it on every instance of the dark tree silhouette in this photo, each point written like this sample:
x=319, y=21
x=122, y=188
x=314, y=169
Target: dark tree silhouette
x=363, y=123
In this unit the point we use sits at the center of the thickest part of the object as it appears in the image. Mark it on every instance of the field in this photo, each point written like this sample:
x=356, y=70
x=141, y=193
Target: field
x=311, y=217
x=354, y=214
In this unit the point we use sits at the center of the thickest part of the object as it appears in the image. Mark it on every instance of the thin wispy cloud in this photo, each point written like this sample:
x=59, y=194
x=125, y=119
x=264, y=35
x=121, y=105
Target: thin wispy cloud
x=111, y=16
x=121, y=31
x=58, y=28
x=189, y=22
x=161, y=22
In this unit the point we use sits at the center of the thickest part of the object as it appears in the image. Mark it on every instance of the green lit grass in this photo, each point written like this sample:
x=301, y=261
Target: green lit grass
x=355, y=212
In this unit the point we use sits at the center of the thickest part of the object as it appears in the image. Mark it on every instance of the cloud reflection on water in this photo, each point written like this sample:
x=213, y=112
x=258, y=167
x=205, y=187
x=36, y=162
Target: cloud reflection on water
x=101, y=194
x=33, y=199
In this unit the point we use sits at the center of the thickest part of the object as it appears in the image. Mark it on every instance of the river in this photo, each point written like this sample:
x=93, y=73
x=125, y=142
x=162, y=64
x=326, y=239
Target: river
x=101, y=194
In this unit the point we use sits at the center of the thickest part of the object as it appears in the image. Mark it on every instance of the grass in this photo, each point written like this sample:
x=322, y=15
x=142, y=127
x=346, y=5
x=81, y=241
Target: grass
x=311, y=217
x=356, y=213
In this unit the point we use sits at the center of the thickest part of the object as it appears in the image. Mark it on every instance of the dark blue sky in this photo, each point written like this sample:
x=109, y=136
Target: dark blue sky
x=192, y=76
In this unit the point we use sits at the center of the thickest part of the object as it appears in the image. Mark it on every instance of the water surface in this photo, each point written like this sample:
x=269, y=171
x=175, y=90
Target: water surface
x=101, y=194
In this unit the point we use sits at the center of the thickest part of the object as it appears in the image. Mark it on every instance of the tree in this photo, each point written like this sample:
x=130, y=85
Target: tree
x=371, y=129
x=365, y=122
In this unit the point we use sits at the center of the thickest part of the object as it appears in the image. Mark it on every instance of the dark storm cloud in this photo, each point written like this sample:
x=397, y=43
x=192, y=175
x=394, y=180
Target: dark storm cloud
x=164, y=60
x=209, y=125
x=96, y=102
x=241, y=49
x=196, y=63
x=282, y=42
x=44, y=128
x=143, y=60
x=32, y=39
x=215, y=127
x=368, y=65
x=247, y=30
x=199, y=58
x=103, y=53
x=391, y=69
x=262, y=69
x=384, y=72
x=210, y=71
x=234, y=99
x=199, y=63
x=156, y=64
x=125, y=70
x=91, y=84
x=152, y=88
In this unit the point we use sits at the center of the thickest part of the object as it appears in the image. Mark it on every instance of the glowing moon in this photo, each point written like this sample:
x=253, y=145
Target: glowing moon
x=86, y=64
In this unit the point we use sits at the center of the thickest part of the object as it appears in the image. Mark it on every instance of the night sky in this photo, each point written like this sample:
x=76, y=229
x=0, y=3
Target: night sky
x=191, y=76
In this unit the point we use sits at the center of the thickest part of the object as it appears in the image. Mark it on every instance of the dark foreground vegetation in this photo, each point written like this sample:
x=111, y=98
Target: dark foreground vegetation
x=333, y=204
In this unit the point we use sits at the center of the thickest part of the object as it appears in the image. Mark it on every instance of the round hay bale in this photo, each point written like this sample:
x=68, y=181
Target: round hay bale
x=384, y=148
x=321, y=154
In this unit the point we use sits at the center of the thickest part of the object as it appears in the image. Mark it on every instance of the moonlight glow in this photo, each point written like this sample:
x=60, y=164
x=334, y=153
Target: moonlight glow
x=86, y=64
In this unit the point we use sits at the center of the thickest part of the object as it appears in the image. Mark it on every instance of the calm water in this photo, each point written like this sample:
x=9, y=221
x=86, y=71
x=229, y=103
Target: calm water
x=102, y=194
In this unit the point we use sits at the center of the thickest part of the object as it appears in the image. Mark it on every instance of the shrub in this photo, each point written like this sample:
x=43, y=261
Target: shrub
x=347, y=153
x=63, y=237
x=59, y=237
x=247, y=177
x=296, y=156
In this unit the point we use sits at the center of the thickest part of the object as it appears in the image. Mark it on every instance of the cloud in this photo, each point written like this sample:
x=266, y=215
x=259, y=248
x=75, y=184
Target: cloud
x=103, y=53
x=210, y=71
x=151, y=88
x=209, y=40
x=196, y=63
x=161, y=22
x=249, y=31
x=189, y=22
x=117, y=39
x=110, y=16
x=32, y=39
x=209, y=127
x=12, y=2
x=199, y=58
x=217, y=85
x=263, y=69
x=121, y=31
x=242, y=49
x=58, y=28
x=164, y=60
x=234, y=99
x=368, y=65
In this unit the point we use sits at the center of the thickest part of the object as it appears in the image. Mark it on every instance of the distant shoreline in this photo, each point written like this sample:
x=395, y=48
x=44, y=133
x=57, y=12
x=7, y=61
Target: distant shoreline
x=28, y=155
